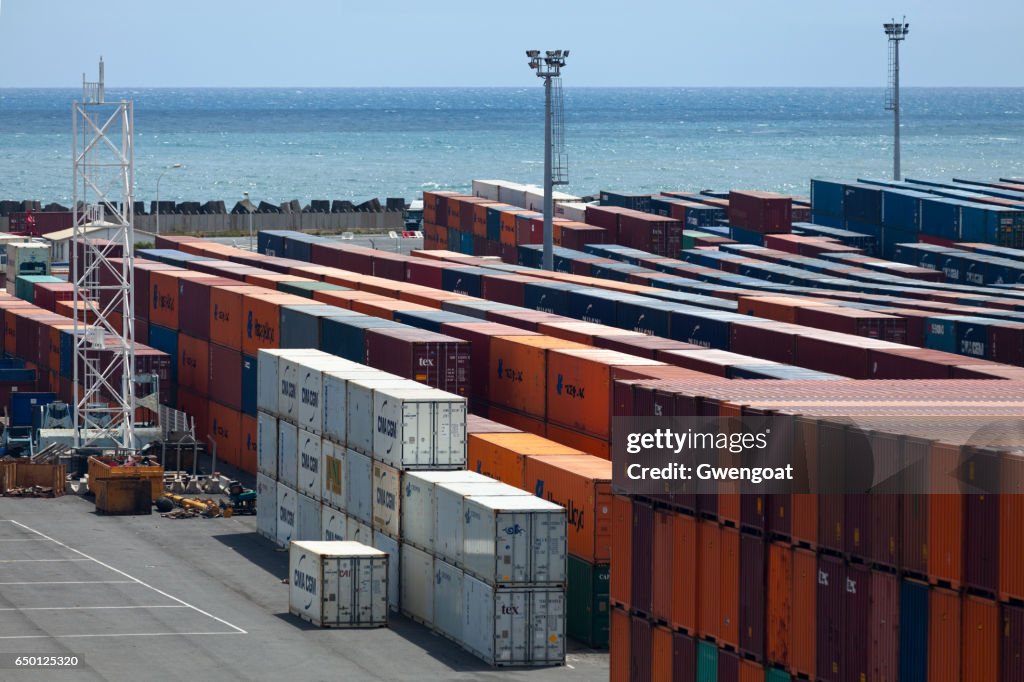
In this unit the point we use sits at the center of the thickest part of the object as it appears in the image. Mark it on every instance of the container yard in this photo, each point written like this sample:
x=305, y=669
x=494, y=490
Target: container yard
x=431, y=441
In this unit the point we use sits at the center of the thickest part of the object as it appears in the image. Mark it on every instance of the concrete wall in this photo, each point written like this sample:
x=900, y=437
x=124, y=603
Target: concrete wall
x=219, y=224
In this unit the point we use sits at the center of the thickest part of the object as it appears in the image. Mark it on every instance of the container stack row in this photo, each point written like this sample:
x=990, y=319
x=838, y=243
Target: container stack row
x=354, y=453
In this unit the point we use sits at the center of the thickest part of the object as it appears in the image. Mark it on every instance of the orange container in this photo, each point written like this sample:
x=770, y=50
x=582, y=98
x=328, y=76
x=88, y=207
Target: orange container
x=194, y=364
x=751, y=672
x=579, y=386
x=518, y=371
x=1011, y=530
x=583, y=485
x=780, y=603
x=581, y=332
x=661, y=654
x=944, y=553
x=803, y=640
x=944, y=622
x=227, y=320
x=197, y=407
x=709, y=579
x=226, y=428
x=620, y=580
x=503, y=455
x=248, y=451
x=53, y=346
x=729, y=588
x=580, y=441
x=261, y=320
x=661, y=566
x=620, y=635
x=164, y=303
x=979, y=652
x=684, y=572
x=384, y=308
x=516, y=420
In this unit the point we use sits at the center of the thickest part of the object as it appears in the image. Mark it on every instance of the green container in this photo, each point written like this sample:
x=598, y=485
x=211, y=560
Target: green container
x=306, y=289
x=707, y=662
x=24, y=285
x=690, y=235
x=587, y=602
x=776, y=675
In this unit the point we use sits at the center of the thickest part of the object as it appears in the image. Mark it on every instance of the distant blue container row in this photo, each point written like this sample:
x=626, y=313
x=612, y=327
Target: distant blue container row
x=346, y=336
x=826, y=199
x=170, y=256
x=23, y=403
x=464, y=280
x=547, y=297
x=475, y=309
x=431, y=320
x=746, y=236
x=249, y=385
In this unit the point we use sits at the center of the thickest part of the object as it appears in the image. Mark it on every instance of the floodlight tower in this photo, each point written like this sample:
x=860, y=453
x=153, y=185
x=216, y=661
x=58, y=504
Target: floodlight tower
x=556, y=167
x=103, y=161
x=897, y=32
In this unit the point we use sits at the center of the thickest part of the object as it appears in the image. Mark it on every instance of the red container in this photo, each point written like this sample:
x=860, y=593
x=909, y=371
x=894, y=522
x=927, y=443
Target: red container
x=1006, y=342
x=884, y=540
x=225, y=385
x=728, y=666
x=980, y=639
x=684, y=658
x=45, y=295
x=662, y=566
x=424, y=272
x=831, y=636
x=729, y=588
x=753, y=577
x=763, y=212
x=226, y=430
x=914, y=552
x=620, y=635
x=193, y=364
x=835, y=354
x=858, y=624
x=765, y=339
x=641, y=346
x=620, y=581
x=981, y=542
x=804, y=639
x=779, y=603
x=389, y=266
x=910, y=363
x=434, y=359
x=684, y=573
x=248, y=447
x=1012, y=646
x=944, y=622
x=641, y=574
x=194, y=298
x=197, y=407
x=640, y=645
x=479, y=335
x=709, y=554
x=503, y=288
x=883, y=656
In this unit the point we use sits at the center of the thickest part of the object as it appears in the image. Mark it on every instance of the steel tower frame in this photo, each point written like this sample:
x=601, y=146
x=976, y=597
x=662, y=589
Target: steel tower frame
x=897, y=32
x=103, y=158
x=556, y=167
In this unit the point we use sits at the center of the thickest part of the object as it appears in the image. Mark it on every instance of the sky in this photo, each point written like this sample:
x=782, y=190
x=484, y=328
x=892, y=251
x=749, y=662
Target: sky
x=403, y=43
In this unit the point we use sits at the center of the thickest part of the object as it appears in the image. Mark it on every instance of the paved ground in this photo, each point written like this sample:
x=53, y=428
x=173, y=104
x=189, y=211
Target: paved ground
x=150, y=598
x=384, y=242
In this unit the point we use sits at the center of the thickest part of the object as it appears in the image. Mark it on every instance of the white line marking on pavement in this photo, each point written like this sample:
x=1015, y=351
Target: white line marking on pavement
x=29, y=561
x=120, y=572
x=125, y=634
x=86, y=608
x=73, y=582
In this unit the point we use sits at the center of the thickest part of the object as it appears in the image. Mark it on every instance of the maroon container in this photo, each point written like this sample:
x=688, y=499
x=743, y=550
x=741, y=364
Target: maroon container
x=45, y=295
x=684, y=658
x=143, y=292
x=389, y=266
x=479, y=335
x=829, y=618
x=524, y=319
x=764, y=339
x=912, y=363
x=857, y=619
x=503, y=288
x=578, y=236
x=764, y=212
x=356, y=259
x=631, y=398
x=509, y=254
x=640, y=649
x=831, y=508
x=913, y=534
x=835, y=355
x=606, y=217
x=434, y=359
x=324, y=253
x=225, y=376
x=641, y=574
x=194, y=298
x=884, y=659
x=753, y=578
x=480, y=425
x=424, y=272
x=1006, y=343
x=887, y=451
x=728, y=666
x=981, y=540
x=857, y=523
x=1013, y=643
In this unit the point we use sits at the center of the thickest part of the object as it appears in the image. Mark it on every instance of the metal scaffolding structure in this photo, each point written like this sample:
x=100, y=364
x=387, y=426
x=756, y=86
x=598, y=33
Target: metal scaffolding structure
x=896, y=32
x=104, y=333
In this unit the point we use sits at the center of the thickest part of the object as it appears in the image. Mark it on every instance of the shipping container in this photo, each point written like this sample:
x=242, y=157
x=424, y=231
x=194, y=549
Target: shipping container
x=341, y=584
x=620, y=636
x=620, y=583
x=514, y=626
x=587, y=602
x=287, y=514
x=418, y=507
x=333, y=524
x=308, y=515
x=358, y=479
x=1012, y=644
x=804, y=638
x=417, y=584
x=707, y=662
x=450, y=512
x=532, y=553
x=709, y=579
x=448, y=594
x=916, y=631
x=266, y=507
x=980, y=639
x=419, y=428
x=390, y=546
x=831, y=638
x=640, y=641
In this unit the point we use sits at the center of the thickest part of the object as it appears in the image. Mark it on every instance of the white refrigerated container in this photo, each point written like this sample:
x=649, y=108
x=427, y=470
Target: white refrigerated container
x=266, y=507
x=338, y=584
x=311, y=386
x=359, y=486
x=310, y=477
x=450, y=512
x=513, y=626
x=419, y=427
x=419, y=502
x=417, y=584
x=287, y=511
x=514, y=540
x=266, y=444
x=360, y=427
x=268, y=375
x=448, y=613
x=335, y=400
x=387, y=497
x=308, y=518
x=333, y=524
x=390, y=545
x=287, y=453
x=332, y=460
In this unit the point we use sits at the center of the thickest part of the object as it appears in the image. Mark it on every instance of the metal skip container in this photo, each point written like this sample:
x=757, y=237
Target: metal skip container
x=521, y=626
x=338, y=584
x=514, y=540
x=419, y=429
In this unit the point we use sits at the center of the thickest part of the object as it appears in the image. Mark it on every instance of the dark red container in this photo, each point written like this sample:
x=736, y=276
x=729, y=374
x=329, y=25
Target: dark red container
x=389, y=266
x=884, y=658
x=753, y=578
x=831, y=507
x=226, y=376
x=830, y=632
x=981, y=542
x=143, y=292
x=641, y=575
x=424, y=272
x=684, y=658
x=504, y=288
x=728, y=666
x=640, y=346
x=434, y=359
x=884, y=543
x=194, y=298
x=914, y=516
x=1005, y=342
x=857, y=617
x=524, y=319
x=763, y=212
x=640, y=645
x=479, y=335
x=45, y=295
x=356, y=259
x=833, y=354
x=509, y=254
x=1013, y=643
x=911, y=363
x=857, y=521
x=764, y=339
x=576, y=237
x=606, y=217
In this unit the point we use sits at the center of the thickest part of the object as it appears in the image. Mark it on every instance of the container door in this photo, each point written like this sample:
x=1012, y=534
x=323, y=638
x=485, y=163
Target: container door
x=512, y=626
x=480, y=612
x=513, y=547
x=417, y=435
x=450, y=434
x=547, y=625
x=548, y=552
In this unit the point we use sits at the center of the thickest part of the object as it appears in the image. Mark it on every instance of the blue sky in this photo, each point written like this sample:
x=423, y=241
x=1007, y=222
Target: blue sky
x=337, y=43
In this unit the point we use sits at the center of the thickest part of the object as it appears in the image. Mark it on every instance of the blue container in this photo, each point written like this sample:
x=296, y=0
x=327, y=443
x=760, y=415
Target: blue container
x=708, y=328
x=827, y=198
x=170, y=256
x=431, y=320
x=163, y=339
x=636, y=202
x=650, y=317
x=249, y=385
x=454, y=240
x=271, y=242
x=297, y=246
x=941, y=218
x=493, y=224
x=588, y=306
x=862, y=203
x=475, y=309
x=466, y=243
x=23, y=403
x=12, y=363
x=530, y=255
x=616, y=272
x=746, y=236
x=463, y=280
x=300, y=324
x=914, y=632
x=827, y=220
x=901, y=208
x=17, y=376
x=346, y=336
x=940, y=333
x=972, y=337
x=549, y=298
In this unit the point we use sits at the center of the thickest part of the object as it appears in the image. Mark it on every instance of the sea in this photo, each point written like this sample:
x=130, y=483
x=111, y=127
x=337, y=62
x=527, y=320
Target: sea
x=281, y=144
